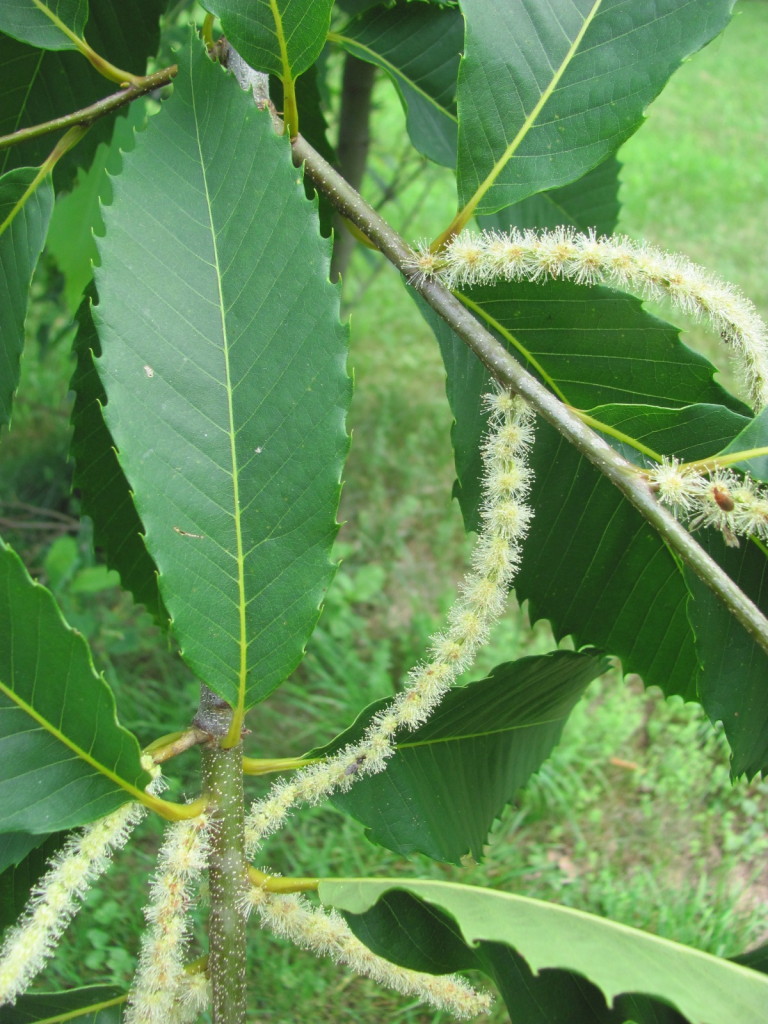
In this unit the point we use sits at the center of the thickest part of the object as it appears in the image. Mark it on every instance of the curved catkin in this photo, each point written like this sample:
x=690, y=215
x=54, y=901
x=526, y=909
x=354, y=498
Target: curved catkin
x=505, y=518
x=326, y=933
x=159, y=985
x=490, y=256
x=56, y=897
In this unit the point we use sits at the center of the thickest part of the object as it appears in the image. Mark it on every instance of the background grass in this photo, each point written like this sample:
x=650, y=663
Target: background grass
x=634, y=815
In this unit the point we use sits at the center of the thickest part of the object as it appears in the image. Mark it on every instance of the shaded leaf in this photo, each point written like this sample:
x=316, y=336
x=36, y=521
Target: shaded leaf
x=95, y=1004
x=549, y=88
x=77, y=214
x=615, y=958
x=16, y=881
x=64, y=760
x=281, y=37
x=754, y=435
x=452, y=777
x=419, y=47
x=591, y=203
x=597, y=345
x=734, y=667
x=591, y=564
x=15, y=846
x=39, y=85
x=20, y=246
x=434, y=944
x=99, y=479
x=36, y=24
x=226, y=388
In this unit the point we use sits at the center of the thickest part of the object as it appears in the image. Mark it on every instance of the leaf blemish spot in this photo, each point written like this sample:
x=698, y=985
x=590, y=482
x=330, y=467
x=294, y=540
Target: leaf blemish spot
x=185, y=533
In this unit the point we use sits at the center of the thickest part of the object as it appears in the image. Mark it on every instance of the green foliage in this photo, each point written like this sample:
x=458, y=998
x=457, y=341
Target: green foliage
x=617, y=959
x=281, y=37
x=448, y=781
x=96, y=1004
x=419, y=48
x=20, y=245
x=104, y=492
x=563, y=93
x=209, y=442
x=39, y=86
x=41, y=24
x=254, y=444
x=65, y=759
x=591, y=203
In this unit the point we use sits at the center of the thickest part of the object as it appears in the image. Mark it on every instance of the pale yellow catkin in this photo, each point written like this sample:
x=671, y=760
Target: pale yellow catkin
x=484, y=258
x=159, y=988
x=56, y=898
x=326, y=933
x=505, y=517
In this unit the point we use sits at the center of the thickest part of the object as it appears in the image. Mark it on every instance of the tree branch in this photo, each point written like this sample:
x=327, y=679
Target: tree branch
x=509, y=372
x=87, y=115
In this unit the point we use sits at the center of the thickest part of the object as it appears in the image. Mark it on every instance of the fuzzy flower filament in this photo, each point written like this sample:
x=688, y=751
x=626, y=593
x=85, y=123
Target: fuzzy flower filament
x=56, y=897
x=482, y=595
x=736, y=506
x=159, y=991
x=486, y=257
x=326, y=933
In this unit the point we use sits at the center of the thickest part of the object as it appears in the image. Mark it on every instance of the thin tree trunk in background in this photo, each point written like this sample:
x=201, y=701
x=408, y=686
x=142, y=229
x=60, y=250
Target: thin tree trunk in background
x=352, y=146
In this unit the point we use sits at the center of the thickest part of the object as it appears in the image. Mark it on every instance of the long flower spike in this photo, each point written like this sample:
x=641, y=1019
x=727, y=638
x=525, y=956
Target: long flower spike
x=56, y=898
x=489, y=256
x=482, y=595
x=159, y=988
x=326, y=933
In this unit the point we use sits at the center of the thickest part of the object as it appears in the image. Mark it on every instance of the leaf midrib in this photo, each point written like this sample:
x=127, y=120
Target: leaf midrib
x=52, y=730
x=237, y=517
x=530, y=120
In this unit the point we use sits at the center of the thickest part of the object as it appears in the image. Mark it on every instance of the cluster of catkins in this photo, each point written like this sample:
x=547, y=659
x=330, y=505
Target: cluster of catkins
x=720, y=499
x=734, y=505
x=163, y=991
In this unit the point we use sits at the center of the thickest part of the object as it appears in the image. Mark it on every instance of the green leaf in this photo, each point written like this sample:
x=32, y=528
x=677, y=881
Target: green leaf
x=226, y=387
x=281, y=37
x=450, y=778
x=95, y=1004
x=733, y=667
x=64, y=760
x=754, y=435
x=77, y=214
x=419, y=47
x=15, y=846
x=591, y=564
x=41, y=22
x=617, y=959
x=597, y=345
x=99, y=479
x=39, y=85
x=17, y=880
x=591, y=203
x=20, y=246
x=548, y=90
